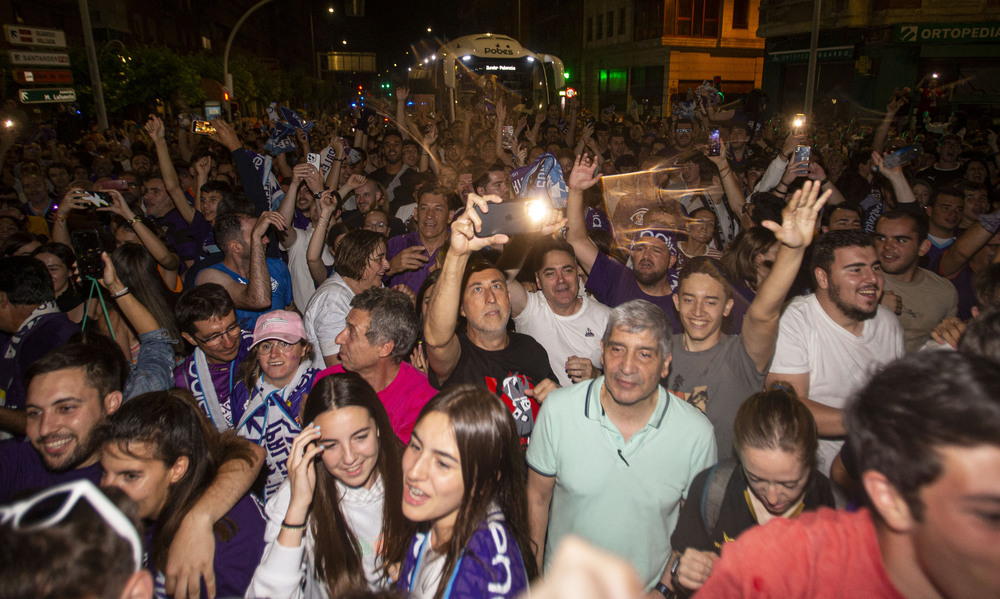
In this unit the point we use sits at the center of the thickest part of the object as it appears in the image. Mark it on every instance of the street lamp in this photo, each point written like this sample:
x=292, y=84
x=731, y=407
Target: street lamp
x=227, y=78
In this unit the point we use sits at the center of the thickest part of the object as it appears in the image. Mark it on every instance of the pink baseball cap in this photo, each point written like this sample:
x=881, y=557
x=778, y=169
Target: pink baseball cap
x=279, y=324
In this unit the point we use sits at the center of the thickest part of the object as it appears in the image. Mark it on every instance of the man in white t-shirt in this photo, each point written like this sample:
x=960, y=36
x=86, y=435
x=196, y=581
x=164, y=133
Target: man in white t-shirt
x=830, y=343
x=296, y=241
x=567, y=325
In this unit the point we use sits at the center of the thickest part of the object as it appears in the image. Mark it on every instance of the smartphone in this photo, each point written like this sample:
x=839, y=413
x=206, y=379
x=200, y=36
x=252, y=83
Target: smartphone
x=902, y=156
x=508, y=137
x=99, y=198
x=511, y=218
x=799, y=122
x=87, y=245
x=202, y=127
x=802, y=154
x=314, y=160
x=714, y=146
x=119, y=184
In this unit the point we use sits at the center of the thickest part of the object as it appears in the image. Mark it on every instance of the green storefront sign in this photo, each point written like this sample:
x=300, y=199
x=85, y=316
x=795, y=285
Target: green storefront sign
x=822, y=55
x=948, y=32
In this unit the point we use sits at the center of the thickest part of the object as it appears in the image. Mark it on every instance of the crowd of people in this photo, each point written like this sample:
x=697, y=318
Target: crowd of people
x=738, y=354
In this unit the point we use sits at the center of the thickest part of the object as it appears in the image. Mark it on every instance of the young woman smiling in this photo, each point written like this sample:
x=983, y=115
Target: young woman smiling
x=464, y=483
x=336, y=524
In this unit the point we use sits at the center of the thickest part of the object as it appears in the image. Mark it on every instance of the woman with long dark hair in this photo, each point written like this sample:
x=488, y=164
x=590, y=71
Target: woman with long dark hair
x=464, y=484
x=136, y=269
x=336, y=524
x=164, y=453
x=58, y=259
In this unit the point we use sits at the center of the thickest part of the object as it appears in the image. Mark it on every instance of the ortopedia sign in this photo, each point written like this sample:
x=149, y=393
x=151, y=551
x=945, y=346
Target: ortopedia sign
x=47, y=95
x=33, y=36
x=948, y=32
x=42, y=59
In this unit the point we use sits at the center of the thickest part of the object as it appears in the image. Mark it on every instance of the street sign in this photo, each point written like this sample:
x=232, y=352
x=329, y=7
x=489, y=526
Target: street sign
x=47, y=95
x=33, y=36
x=43, y=76
x=44, y=59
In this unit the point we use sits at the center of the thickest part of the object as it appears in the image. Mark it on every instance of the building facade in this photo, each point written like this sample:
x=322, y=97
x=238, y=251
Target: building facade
x=646, y=51
x=870, y=48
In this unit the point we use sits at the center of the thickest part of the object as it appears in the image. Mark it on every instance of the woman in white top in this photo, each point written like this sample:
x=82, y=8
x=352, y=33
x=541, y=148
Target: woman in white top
x=330, y=526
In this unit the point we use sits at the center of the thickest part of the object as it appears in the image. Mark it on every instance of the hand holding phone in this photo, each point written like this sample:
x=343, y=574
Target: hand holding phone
x=203, y=127
x=511, y=218
x=87, y=246
x=714, y=143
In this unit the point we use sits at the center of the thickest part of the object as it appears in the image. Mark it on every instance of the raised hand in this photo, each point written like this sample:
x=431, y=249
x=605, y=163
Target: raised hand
x=203, y=167
x=798, y=219
x=266, y=220
x=301, y=473
x=464, y=228
x=354, y=182
x=226, y=135
x=584, y=174
x=154, y=128
x=117, y=206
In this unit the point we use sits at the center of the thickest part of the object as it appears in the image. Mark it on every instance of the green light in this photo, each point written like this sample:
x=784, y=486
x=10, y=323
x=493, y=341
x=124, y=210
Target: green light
x=565, y=74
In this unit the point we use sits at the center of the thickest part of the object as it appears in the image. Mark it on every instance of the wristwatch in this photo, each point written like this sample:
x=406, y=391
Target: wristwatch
x=663, y=590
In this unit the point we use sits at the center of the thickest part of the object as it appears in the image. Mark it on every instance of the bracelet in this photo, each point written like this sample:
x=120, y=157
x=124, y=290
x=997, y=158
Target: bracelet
x=823, y=182
x=124, y=291
x=727, y=173
x=288, y=526
x=131, y=222
x=338, y=159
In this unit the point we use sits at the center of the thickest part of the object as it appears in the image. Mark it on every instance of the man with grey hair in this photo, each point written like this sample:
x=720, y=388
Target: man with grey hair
x=381, y=329
x=612, y=458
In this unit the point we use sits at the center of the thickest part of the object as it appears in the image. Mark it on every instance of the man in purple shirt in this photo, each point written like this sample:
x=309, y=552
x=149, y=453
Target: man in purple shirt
x=30, y=326
x=381, y=328
x=71, y=392
x=206, y=316
x=613, y=283
x=414, y=255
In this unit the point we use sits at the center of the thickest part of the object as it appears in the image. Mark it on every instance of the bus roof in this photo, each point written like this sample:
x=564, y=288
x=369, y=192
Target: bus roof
x=487, y=45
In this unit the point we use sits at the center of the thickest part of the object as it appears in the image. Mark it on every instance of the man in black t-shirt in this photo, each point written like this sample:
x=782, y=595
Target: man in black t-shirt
x=513, y=366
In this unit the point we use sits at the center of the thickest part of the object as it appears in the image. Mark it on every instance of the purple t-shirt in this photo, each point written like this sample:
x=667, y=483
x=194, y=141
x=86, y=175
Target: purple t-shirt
x=613, y=284
x=48, y=333
x=411, y=278
x=178, y=233
x=403, y=398
x=235, y=559
x=22, y=471
x=224, y=379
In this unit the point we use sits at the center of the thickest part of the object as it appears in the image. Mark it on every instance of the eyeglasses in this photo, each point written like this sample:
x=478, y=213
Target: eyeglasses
x=267, y=347
x=217, y=338
x=35, y=513
x=683, y=130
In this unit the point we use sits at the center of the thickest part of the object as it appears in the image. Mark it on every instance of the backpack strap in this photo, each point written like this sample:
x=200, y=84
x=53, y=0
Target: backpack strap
x=715, y=492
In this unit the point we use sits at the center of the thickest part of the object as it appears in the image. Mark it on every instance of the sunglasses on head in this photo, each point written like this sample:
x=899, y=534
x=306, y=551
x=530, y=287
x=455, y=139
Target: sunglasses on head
x=52, y=506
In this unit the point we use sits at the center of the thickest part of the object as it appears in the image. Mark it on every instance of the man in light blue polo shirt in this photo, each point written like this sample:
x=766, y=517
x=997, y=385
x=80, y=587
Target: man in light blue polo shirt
x=611, y=459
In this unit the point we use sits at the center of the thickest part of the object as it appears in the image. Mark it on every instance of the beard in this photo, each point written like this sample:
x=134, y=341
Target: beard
x=85, y=449
x=850, y=311
x=649, y=277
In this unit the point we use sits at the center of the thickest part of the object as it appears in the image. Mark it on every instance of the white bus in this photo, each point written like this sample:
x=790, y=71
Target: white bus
x=457, y=69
